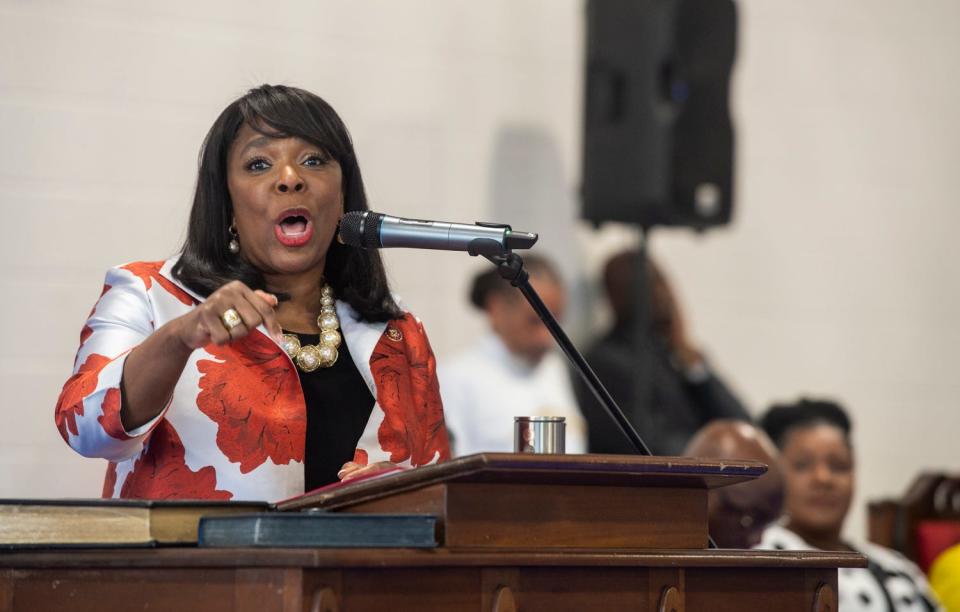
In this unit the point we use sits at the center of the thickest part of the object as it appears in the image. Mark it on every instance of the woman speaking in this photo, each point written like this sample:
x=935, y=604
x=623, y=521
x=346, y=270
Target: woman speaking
x=266, y=358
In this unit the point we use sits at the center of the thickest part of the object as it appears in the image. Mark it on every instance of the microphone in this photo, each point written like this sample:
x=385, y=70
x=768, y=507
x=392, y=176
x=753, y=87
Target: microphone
x=371, y=230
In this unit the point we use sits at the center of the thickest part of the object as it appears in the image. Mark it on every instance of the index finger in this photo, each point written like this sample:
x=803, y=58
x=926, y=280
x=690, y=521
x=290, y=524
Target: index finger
x=265, y=303
x=269, y=297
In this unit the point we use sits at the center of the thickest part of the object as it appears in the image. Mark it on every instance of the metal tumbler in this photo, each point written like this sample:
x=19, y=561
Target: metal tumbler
x=539, y=434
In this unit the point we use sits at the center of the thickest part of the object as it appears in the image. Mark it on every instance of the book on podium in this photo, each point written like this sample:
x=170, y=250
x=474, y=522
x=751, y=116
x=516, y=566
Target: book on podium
x=34, y=523
x=319, y=529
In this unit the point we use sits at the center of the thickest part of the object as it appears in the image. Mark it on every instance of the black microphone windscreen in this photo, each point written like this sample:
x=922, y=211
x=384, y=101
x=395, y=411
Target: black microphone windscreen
x=359, y=229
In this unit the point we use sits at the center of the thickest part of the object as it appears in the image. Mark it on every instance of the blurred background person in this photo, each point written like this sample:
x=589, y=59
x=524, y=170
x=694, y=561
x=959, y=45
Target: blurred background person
x=818, y=468
x=685, y=392
x=513, y=370
x=739, y=513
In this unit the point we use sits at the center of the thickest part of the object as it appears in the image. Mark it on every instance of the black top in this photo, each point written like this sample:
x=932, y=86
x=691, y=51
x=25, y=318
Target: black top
x=339, y=404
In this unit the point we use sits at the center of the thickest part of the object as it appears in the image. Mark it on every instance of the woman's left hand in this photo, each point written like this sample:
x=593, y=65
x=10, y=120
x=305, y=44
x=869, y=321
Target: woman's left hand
x=351, y=470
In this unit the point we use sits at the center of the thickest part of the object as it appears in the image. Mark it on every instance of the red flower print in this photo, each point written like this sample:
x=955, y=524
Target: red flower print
x=110, y=419
x=253, y=394
x=85, y=333
x=109, y=481
x=360, y=457
x=77, y=387
x=149, y=271
x=404, y=369
x=162, y=473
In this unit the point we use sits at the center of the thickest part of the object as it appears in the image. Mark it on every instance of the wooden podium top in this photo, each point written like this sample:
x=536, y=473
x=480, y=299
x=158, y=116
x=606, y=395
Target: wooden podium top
x=531, y=469
x=505, y=500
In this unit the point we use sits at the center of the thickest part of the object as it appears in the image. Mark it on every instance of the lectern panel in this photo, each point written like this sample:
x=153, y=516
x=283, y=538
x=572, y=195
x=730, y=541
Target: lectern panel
x=480, y=515
x=564, y=516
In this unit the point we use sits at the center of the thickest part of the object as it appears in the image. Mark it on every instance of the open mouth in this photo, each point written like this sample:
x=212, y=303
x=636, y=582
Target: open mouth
x=294, y=225
x=294, y=228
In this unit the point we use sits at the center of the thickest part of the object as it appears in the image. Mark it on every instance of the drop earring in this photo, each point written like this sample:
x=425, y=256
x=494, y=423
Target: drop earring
x=234, y=244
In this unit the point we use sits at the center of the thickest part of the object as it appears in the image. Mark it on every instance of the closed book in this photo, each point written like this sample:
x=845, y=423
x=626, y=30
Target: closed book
x=108, y=522
x=320, y=529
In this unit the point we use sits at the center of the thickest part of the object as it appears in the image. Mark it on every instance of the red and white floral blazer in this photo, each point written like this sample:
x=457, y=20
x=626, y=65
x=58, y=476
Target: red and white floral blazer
x=236, y=424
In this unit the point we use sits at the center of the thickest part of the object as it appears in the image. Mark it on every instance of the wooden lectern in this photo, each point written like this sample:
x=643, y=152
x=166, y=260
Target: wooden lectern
x=516, y=533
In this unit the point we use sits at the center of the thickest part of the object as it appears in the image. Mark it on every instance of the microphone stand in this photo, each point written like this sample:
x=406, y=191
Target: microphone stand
x=510, y=267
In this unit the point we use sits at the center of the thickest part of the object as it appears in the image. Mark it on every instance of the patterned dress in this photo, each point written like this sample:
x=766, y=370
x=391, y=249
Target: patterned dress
x=891, y=583
x=235, y=425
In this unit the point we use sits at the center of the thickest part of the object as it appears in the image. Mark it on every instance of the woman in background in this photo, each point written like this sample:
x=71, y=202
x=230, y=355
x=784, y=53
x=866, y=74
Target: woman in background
x=818, y=470
x=265, y=359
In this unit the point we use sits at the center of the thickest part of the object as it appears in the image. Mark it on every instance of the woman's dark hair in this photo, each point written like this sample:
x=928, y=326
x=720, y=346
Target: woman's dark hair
x=780, y=419
x=490, y=282
x=356, y=275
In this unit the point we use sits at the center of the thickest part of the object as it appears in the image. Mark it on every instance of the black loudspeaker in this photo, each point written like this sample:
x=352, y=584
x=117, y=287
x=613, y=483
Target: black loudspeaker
x=658, y=141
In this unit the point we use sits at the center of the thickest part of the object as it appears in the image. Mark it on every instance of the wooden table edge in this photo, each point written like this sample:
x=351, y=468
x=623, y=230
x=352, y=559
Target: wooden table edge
x=394, y=557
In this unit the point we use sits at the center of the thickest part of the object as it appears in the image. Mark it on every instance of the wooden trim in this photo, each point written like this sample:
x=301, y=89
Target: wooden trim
x=371, y=557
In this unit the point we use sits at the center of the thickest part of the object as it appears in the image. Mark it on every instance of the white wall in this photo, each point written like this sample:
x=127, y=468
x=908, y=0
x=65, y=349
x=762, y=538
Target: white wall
x=837, y=277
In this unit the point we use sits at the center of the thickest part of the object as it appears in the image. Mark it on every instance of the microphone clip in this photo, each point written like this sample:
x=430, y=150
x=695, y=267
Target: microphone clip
x=489, y=247
x=492, y=248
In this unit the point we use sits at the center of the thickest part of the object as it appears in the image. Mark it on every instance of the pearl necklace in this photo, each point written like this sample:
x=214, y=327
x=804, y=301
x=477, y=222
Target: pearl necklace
x=323, y=355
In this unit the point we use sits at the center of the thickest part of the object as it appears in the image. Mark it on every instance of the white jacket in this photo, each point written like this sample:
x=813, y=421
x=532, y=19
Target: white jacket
x=236, y=423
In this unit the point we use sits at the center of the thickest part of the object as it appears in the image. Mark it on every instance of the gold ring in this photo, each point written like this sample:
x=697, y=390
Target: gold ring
x=231, y=318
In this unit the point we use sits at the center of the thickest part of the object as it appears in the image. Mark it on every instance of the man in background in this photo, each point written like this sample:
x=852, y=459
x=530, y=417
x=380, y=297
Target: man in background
x=739, y=513
x=512, y=370
x=684, y=391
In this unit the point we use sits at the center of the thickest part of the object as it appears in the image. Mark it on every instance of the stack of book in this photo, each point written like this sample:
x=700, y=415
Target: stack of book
x=108, y=522
x=292, y=523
